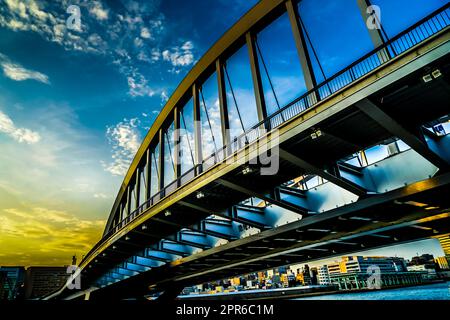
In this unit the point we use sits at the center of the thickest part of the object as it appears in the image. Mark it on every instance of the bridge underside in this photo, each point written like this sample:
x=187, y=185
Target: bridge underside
x=398, y=199
x=396, y=217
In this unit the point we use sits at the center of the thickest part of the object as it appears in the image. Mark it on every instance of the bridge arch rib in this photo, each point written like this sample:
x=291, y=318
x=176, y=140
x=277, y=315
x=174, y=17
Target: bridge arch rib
x=177, y=201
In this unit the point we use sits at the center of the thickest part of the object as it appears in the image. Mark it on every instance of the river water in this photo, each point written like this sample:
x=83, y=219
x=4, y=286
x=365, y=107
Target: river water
x=437, y=291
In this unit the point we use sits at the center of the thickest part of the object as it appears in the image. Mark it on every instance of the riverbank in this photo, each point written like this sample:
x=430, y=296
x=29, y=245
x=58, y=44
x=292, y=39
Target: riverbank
x=299, y=293
x=438, y=290
x=280, y=293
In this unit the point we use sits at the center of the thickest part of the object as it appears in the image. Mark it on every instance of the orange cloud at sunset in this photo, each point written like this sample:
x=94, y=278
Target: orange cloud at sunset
x=39, y=236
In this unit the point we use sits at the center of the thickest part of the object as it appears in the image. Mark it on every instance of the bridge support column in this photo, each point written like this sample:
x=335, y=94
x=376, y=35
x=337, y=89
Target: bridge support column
x=375, y=33
x=171, y=293
x=302, y=48
x=161, y=161
x=129, y=198
x=374, y=28
x=198, y=131
x=148, y=176
x=257, y=82
x=176, y=140
x=225, y=123
x=137, y=189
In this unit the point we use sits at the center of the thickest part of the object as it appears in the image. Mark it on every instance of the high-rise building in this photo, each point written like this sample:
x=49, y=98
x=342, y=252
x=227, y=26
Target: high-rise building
x=422, y=259
x=314, y=275
x=399, y=264
x=323, y=276
x=11, y=282
x=306, y=275
x=351, y=264
x=3, y=283
x=429, y=269
x=40, y=281
x=336, y=268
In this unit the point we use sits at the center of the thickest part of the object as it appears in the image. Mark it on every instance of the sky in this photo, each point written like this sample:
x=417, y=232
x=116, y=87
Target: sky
x=76, y=102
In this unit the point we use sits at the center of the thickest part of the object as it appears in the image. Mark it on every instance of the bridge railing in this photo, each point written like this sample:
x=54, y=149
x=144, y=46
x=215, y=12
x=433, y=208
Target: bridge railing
x=392, y=48
x=414, y=35
x=409, y=38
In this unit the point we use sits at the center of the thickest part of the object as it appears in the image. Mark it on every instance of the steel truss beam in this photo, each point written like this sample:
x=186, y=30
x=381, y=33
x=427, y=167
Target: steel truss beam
x=194, y=238
x=257, y=81
x=136, y=267
x=411, y=190
x=300, y=42
x=395, y=128
x=146, y=260
x=177, y=239
x=175, y=248
x=219, y=228
x=438, y=144
x=124, y=271
x=310, y=168
x=255, y=216
x=250, y=193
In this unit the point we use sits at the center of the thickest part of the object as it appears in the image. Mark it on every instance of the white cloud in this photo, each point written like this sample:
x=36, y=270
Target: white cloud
x=132, y=22
x=120, y=37
x=145, y=33
x=36, y=12
x=164, y=96
x=138, y=42
x=156, y=55
x=98, y=11
x=97, y=41
x=30, y=15
x=18, y=7
x=142, y=56
x=125, y=141
x=16, y=72
x=27, y=10
x=139, y=86
x=19, y=134
x=188, y=45
x=100, y=196
x=180, y=56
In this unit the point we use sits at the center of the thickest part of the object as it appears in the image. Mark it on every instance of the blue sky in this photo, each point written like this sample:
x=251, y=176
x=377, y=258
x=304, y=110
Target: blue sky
x=75, y=104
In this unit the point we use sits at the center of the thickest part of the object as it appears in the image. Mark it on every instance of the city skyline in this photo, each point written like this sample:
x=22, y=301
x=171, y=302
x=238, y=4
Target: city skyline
x=409, y=250
x=406, y=251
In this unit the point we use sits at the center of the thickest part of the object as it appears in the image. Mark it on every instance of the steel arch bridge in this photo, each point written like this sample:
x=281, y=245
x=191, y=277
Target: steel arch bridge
x=178, y=222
